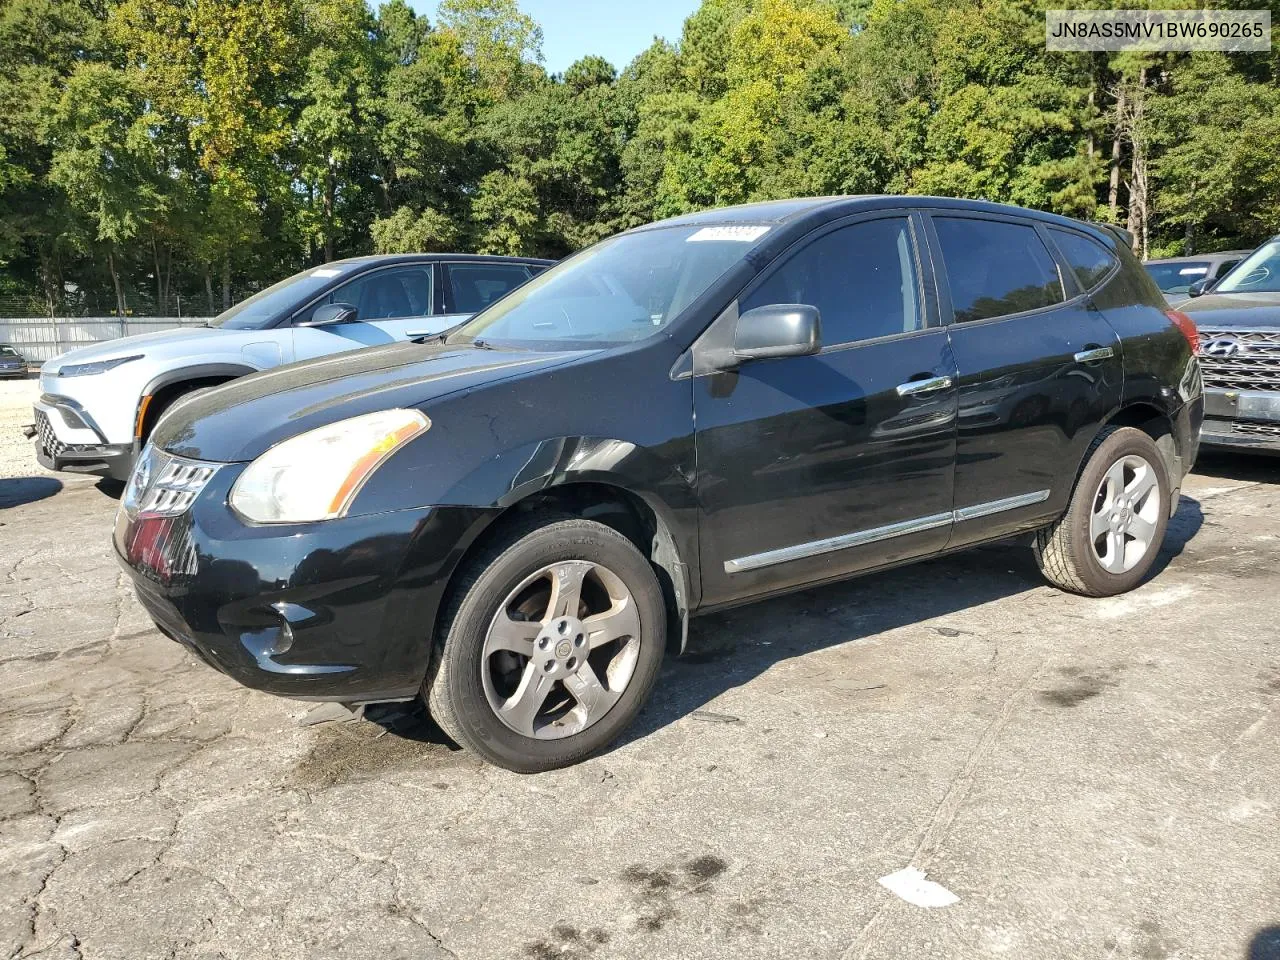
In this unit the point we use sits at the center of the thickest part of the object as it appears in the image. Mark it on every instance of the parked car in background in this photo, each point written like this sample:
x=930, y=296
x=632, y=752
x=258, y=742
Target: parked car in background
x=12, y=363
x=99, y=403
x=514, y=518
x=1239, y=323
x=1176, y=275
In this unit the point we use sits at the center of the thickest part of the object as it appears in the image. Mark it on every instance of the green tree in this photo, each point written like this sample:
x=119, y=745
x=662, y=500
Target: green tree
x=103, y=159
x=500, y=42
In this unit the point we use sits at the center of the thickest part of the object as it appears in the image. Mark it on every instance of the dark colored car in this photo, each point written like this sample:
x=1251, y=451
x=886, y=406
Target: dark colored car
x=1239, y=325
x=1175, y=276
x=519, y=517
x=12, y=363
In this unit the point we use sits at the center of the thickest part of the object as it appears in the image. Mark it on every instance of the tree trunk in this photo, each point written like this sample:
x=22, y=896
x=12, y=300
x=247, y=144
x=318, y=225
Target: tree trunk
x=1113, y=189
x=121, y=307
x=1137, y=220
x=1090, y=146
x=168, y=275
x=226, y=283
x=330, y=188
x=208, y=289
x=155, y=256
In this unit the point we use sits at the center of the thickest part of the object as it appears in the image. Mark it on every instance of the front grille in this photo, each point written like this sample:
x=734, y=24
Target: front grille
x=48, y=439
x=1255, y=428
x=1240, y=359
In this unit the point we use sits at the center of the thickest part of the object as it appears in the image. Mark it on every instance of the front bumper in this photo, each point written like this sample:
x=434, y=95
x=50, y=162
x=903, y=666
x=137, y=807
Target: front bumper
x=67, y=438
x=338, y=610
x=1242, y=420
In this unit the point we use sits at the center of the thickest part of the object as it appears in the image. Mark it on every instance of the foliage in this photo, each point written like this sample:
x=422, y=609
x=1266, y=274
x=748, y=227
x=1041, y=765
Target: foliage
x=153, y=149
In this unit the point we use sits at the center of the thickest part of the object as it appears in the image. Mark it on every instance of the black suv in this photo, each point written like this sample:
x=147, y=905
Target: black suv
x=517, y=518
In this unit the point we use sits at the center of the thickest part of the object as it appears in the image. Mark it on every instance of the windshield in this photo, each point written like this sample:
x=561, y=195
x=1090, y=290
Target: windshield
x=1259, y=272
x=1177, y=277
x=265, y=305
x=618, y=291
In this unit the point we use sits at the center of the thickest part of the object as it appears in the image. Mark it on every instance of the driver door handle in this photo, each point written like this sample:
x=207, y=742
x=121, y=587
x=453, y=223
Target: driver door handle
x=1097, y=353
x=914, y=388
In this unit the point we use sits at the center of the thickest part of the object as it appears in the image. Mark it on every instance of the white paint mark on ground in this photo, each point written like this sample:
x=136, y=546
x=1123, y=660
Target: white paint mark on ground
x=1151, y=599
x=910, y=884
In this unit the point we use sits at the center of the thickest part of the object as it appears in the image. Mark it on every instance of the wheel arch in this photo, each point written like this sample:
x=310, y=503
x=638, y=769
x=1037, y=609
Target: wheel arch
x=647, y=523
x=1156, y=423
x=166, y=387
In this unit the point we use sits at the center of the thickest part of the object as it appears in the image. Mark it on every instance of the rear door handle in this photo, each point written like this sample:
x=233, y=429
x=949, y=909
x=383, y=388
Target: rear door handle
x=1096, y=353
x=914, y=388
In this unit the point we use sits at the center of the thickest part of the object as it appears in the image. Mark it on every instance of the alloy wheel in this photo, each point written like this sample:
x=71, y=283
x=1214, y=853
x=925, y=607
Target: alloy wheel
x=1126, y=510
x=561, y=649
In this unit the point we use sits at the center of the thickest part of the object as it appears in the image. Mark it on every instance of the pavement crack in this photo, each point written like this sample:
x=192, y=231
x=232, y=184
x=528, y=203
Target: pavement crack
x=939, y=826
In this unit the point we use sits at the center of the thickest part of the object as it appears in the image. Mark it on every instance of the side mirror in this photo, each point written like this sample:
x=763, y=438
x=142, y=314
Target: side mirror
x=778, y=330
x=1199, y=288
x=330, y=313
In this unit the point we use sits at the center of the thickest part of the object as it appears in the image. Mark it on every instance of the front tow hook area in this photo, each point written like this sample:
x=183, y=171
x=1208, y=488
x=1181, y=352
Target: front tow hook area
x=29, y=430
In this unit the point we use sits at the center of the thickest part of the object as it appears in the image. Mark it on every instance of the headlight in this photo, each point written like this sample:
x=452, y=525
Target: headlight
x=316, y=475
x=98, y=366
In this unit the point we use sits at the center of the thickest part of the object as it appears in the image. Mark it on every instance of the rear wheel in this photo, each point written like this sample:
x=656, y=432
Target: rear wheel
x=551, y=643
x=1109, y=537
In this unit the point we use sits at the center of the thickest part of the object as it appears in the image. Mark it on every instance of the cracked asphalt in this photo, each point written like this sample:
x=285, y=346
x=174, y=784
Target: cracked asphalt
x=1090, y=778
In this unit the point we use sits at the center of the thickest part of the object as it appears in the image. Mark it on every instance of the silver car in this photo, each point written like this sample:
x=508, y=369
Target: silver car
x=99, y=403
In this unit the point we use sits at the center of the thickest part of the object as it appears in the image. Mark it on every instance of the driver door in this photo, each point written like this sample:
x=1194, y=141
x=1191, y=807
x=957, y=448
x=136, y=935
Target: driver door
x=392, y=304
x=813, y=467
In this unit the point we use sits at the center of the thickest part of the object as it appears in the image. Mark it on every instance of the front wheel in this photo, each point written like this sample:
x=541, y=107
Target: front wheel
x=1111, y=533
x=552, y=641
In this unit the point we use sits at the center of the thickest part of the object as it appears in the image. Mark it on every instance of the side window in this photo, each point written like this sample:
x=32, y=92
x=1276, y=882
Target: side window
x=996, y=268
x=1090, y=261
x=862, y=279
x=383, y=294
x=473, y=286
x=1224, y=268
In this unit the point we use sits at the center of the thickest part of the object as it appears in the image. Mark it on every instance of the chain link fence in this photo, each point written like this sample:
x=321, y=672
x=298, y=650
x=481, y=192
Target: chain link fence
x=40, y=339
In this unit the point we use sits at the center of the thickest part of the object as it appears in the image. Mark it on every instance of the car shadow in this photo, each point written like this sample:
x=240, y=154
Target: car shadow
x=109, y=487
x=732, y=648
x=1226, y=465
x=16, y=491
x=1265, y=944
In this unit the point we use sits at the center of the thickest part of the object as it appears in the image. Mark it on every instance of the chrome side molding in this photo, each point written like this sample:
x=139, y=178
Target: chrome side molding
x=999, y=506
x=815, y=548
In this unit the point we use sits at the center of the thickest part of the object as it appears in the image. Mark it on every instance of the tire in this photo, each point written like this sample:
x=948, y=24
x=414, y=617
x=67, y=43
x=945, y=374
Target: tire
x=469, y=683
x=1071, y=557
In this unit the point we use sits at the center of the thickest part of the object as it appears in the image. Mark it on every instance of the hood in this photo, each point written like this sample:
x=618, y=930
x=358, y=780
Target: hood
x=244, y=418
x=1220, y=310
x=128, y=346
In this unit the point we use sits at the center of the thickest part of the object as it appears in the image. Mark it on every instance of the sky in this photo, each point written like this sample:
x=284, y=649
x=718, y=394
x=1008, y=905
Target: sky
x=615, y=29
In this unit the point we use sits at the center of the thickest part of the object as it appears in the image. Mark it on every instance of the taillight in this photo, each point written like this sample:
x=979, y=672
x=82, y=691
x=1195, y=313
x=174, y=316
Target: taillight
x=1187, y=326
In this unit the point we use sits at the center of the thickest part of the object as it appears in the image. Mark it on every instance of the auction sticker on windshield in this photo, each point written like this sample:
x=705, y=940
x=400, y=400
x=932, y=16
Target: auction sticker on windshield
x=742, y=234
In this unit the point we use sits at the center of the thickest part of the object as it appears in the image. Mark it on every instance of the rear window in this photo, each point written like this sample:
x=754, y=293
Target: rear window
x=1090, y=261
x=474, y=286
x=1177, y=277
x=996, y=268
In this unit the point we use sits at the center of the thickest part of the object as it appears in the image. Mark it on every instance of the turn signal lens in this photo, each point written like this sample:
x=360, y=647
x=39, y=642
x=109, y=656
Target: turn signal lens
x=1187, y=326
x=316, y=475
